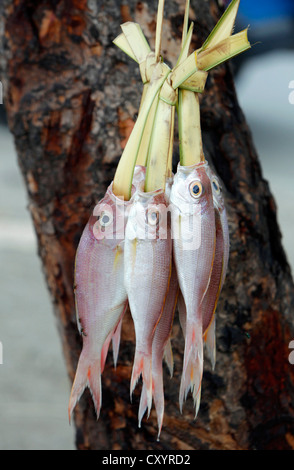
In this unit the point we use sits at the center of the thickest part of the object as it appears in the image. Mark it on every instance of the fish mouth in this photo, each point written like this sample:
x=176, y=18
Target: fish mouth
x=118, y=200
x=189, y=168
x=147, y=195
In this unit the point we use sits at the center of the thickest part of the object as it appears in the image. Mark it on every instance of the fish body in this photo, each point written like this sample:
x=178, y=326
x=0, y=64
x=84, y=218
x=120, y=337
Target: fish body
x=220, y=266
x=161, y=348
x=219, y=205
x=193, y=234
x=148, y=251
x=99, y=291
x=115, y=335
x=211, y=297
x=218, y=273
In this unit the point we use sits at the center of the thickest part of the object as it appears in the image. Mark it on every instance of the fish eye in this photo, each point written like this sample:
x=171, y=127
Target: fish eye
x=196, y=189
x=216, y=186
x=153, y=217
x=105, y=219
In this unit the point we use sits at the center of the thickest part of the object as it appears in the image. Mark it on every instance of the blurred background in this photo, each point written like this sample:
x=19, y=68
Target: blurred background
x=34, y=387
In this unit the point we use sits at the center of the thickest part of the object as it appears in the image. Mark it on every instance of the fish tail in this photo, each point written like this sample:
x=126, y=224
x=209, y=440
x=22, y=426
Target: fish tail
x=143, y=405
x=193, y=364
x=142, y=365
x=158, y=395
x=88, y=374
x=210, y=344
x=197, y=398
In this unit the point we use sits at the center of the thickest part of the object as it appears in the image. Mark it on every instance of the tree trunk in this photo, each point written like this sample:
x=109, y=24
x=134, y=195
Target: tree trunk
x=71, y=98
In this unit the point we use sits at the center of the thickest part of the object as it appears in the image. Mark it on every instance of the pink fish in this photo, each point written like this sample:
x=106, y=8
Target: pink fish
x=211, y=297
x=218, y=273
x=115, y=335
x=99, y=291
x=220, y=266
x=147, y=273
x=219, y=205
x=161, y=348
x=193, y=233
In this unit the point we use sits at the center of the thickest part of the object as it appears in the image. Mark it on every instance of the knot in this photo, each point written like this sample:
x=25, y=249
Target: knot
x=147, y=67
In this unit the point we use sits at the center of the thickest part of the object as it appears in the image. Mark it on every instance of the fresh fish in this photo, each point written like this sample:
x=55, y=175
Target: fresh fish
x=193, y=233
x=220, y=266
x=219, y=205
x=115, y=335
x=148, y=250
x=139, y=176
x=218, y=273
x=211, y=297
x=161, y=348
x=99, y=291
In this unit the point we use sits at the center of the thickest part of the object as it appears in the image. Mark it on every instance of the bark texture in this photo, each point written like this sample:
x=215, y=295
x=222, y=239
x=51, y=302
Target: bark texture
x=71, y=99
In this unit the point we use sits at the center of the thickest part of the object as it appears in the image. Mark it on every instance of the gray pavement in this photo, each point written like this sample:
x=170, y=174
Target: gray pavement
x=34, y=386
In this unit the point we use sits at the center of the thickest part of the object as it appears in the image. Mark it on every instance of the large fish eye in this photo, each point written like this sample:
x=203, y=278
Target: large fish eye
x=196, y=189
x=153, y=217
x=105, y=218
x=216, y=186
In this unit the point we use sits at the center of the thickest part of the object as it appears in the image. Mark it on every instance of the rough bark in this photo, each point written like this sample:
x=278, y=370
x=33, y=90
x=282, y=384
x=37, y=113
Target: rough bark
x=71, y=99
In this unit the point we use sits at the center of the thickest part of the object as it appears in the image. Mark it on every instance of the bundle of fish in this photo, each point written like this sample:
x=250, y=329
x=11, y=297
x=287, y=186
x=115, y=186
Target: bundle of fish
x=157, y=241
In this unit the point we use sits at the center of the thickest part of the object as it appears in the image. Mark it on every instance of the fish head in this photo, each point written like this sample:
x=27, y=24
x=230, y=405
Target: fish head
x=168, y=186
x=139, y=175
x=148, y=218
x=109, y=218
x=191, y=206
x=217, y=191
x=191, y=191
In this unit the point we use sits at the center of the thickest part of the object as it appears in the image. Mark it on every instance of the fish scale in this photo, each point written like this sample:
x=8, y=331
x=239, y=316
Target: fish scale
x=193, y=261
x=99, y=292
x=147, y=273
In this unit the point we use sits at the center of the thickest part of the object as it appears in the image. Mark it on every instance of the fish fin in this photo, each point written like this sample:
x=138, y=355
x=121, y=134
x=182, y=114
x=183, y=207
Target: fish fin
x=116, y=342
x=182, y=312
x=168, y=357
x=210, y=344
x=88, y=374
x=197, y=398
x=142, y=365
x=143, y=405
x=193, y=362
x=158, y=396
x=104, y=351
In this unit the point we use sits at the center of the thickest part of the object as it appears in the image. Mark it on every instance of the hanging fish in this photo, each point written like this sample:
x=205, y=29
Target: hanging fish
x=99, y=291
x=218, y=273
x=220, y=266
x=147, y=273
x=115, y=335
x=161, y=348
x=193, y=233
x=219, y=205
